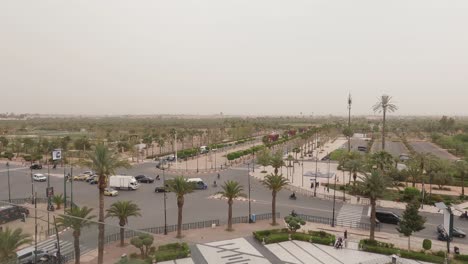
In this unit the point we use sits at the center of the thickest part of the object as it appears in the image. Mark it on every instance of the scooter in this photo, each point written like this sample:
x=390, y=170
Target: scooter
x=293, y=197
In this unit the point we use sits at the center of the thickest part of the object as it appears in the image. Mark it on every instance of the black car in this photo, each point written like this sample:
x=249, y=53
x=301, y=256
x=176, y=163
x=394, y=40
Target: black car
x=94, y=180
x=456, y=232
x=35, y=166
x=387, y=217
x=443, y=236
x=144, y=178
x=161, y=189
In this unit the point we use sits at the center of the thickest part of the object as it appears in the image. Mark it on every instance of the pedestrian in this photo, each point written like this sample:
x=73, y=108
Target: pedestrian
x=311, y=185
x=346, y=238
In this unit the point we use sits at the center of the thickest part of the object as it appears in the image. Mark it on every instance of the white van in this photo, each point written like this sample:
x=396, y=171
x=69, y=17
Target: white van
x=203, y=149
x=26, y=255
x=199, y=184
x=123, y=182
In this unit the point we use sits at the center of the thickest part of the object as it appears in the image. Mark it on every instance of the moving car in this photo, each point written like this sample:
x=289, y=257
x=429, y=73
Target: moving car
x=39, y=177
x=199, y=184
x=35, y=166
x=387, y=217
x=28, y=255
x=160, y=189
x=10, y=213
x=456, y=232
x=110, y=192
x=144, y=178
x=94, y=179
x=81, y=177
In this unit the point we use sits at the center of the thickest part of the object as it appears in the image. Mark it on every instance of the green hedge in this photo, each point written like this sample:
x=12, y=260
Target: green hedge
x=368, y=242
x=461, y=257
x=421, y=256
x=172, y=251
x=380, y=250
x=237, y=154
x=277, y=238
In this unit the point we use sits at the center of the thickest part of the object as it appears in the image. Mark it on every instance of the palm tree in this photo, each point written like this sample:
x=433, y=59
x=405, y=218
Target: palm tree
x=275, y=183
x=277, y=161
x=373, y=186
x=58, y=200
x=382, y=159
x=383, y=105
x=123, y=210
x=462, y=170
x=10, y=240
x=180, y=186
x=160, y=140
x=104, y=163
x=354, y=166
x=76, y=218
x=231, y=190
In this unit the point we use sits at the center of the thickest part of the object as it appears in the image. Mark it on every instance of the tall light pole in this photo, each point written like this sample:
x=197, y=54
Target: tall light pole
x=334, y=198
x=32, y=188
x=248, y=178
x=316, y=165
x=328, y=175
x=302, y=171
x=8, y=175
x=165, y=197
x=350, y=101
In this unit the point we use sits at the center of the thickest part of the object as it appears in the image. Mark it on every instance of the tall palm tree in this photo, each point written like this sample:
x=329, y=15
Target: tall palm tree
x=123, y=210
x=104, y=163
x=180, y=186
x=461, y=167
x=383, y=160
x=277, y=161
x=373, y=186
x=354, y=166
x=161, y=141
x=76, y=218
x=274, y=183
x=384, y=105
x=231, y=190
x=10, y=240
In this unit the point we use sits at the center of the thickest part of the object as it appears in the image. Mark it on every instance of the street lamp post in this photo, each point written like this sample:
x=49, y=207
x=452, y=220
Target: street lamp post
x=328, y=176
x=344, y=188
x=165, y=197
x=316, y=169
x=32, y=188
x=334, y=198
x=248, y=178
x=8, y=175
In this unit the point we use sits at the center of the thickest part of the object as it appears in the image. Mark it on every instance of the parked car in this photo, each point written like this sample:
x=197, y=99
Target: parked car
x=170, y=158
x=144, y=178
x=161, y=189
x=456, y=232
x=89, y=172
x=81, y=177
x=110, y=192
x=94, y=180
x=10, y=213
x=27, y=255
x=35, y=166
x=90, y=177
x=39, y=177
x=387, y=217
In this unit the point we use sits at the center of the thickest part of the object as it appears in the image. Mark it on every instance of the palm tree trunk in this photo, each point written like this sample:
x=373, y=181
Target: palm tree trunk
x=122, y=236
x=101, y=225
x=273, y=207
x=372, y=220
x=230, y=215
x=76, y=244
x=180, y=204
x=383, y=129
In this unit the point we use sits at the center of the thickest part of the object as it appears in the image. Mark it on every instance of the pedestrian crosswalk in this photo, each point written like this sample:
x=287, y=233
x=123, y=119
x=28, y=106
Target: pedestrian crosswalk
x=66, y=247
x=349, y=215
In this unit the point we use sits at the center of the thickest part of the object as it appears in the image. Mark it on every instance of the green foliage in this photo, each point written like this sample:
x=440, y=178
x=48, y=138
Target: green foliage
x=411, y=221
x=294, y=222
x=461, y=257
x=263, y=157
x=172, y=251
x=410, y=193
x=143, y=242
x=277, y=238
x=338, y=154
x=8, y=155
x=421, y=256
x=58, y=200
x=427, y=244
x=131, y=261
x=10, y=241
x=375, y=243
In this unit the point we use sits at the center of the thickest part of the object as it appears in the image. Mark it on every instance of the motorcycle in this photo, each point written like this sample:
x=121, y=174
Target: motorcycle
x=464, y=216
x=293, y=197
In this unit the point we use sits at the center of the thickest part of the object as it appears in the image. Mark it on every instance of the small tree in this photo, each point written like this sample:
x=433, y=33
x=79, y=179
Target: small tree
x=411, y=221
x=143, y=242
x=263, y=158
x=442, y=178
x=58, y=200
x=427, y=244
x=294, y=222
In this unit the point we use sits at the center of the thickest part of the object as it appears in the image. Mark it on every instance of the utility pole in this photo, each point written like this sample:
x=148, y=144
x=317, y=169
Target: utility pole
x=334, y=198
x=35, y=228
x=165, y=197
x=8, y=175
x=328, y=175
x=48, y=197
x=248, y=178
x=316, y=164
x=32, y=188
x=71, y=186
x=175, y=148
x=59, y=254
x=350, y=101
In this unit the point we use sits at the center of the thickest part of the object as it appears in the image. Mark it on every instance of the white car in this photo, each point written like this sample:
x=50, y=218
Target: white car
x=110, y=192
x=39, y=177
x=88, y=173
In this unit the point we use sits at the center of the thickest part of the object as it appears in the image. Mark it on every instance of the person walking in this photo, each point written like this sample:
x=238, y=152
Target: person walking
x=345, y=235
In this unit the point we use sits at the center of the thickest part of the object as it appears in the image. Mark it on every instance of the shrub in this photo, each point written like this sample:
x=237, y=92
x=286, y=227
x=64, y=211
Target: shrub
x=300, y=236
x=380, y=250
x=134, y=255
x=375, y=243
x=323, y=240
x=461, y=257
x=421, y=256
x=276, y=238
x=172, y=251
x=410, y=193
x=427, y=244
x=8, y=155
x=440, y=253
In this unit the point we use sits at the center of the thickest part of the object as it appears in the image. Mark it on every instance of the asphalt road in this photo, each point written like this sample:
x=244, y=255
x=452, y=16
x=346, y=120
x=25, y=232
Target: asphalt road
x=393, y=147
x=428, y=147
x=198, y=207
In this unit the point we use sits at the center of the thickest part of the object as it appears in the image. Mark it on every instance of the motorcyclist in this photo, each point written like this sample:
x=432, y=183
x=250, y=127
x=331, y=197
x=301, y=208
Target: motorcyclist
x=219, y=176
x=157, y=177
x=293, y=195
x=465, y=215
x=214, y=184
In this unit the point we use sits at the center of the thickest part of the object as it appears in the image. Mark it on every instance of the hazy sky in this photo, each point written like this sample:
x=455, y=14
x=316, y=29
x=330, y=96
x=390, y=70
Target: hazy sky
x=237, y=57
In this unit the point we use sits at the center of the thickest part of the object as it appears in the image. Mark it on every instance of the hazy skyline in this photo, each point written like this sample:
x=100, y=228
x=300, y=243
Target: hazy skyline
x=236, y=57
